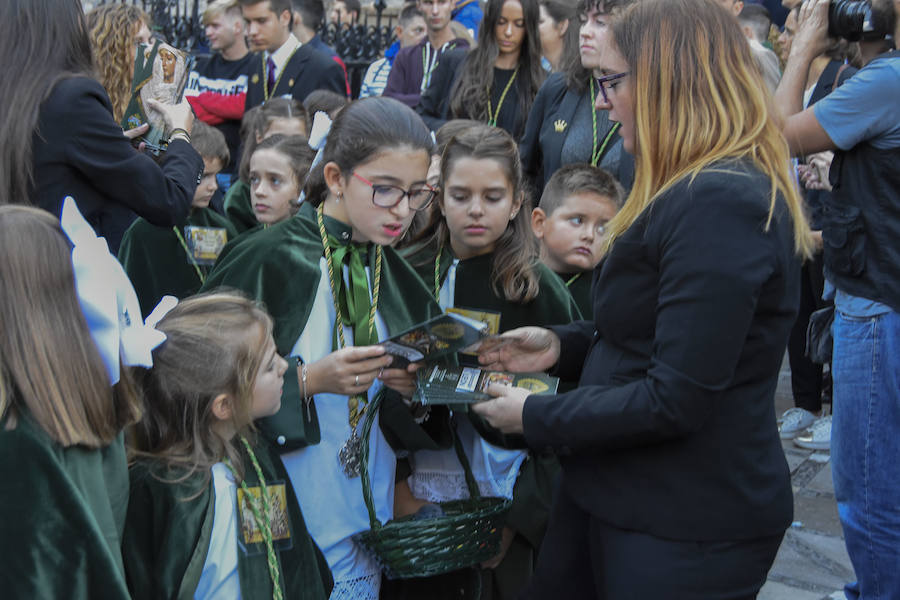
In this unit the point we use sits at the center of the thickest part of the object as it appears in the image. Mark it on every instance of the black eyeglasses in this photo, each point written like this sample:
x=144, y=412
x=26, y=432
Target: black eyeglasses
x=389, y=196
x=603, y=83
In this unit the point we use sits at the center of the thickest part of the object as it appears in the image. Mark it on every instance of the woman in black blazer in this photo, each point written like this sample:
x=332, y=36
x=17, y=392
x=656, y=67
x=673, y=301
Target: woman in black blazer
x=58, y=136
x=674, y=484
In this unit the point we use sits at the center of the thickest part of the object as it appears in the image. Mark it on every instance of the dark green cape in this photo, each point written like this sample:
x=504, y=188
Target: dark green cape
x=157, y=263
x=532, y=495
x=63, y=514
x=280, y=267
x=169, y=528
x=238, y=207
x=580, y=289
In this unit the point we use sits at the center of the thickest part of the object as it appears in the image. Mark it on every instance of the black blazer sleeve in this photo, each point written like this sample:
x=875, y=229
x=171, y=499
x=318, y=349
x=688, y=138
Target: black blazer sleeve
x=575, y=341
x=77, y=121
x=713, y=260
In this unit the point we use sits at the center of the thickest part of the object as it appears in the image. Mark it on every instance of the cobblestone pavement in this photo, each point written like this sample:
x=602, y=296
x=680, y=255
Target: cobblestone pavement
x=812, y=563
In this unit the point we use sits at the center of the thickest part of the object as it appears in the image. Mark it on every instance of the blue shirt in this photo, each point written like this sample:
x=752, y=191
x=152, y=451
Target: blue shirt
x=859, y=110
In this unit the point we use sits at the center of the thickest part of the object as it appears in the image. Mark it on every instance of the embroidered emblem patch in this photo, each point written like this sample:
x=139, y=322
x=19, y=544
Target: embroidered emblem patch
x=255, y=79
x=560, y=125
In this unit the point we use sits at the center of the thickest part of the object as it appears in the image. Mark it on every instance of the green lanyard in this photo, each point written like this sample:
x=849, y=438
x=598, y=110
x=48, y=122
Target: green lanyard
x=595, y=153
x=261, y=509
x=190, y=256
x=427, y=69
x=572, y=279
x=492, y=118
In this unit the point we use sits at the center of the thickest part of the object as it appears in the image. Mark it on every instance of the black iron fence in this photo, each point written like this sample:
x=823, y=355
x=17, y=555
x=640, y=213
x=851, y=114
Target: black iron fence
x=358, y=45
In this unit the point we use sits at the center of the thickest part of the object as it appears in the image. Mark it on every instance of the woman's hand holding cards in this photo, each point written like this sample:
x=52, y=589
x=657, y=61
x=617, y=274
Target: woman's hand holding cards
x=504, y=411
x=520, y=350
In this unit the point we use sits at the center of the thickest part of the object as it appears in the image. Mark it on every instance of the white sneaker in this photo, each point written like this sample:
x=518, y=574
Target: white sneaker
x=817, y=437
x=794, y=421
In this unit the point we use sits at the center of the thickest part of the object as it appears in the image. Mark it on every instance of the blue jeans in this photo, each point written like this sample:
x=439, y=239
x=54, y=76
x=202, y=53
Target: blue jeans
x=865, y=449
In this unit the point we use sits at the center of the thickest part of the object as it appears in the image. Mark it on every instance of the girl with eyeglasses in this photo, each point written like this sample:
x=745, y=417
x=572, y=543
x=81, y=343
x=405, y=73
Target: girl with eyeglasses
x=482, y=259
x=564, y=127
x=335, y=287
x=496, y=82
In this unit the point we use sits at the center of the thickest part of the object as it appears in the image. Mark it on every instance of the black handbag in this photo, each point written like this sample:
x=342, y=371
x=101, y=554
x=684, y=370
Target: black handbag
x=819, y=342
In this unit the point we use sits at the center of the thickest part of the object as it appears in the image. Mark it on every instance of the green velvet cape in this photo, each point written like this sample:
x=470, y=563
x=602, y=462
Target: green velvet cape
x=169, y=528
x=238, y=207
x=280, y=267
x=580, y=289
x=157, y=263
x=63, y=515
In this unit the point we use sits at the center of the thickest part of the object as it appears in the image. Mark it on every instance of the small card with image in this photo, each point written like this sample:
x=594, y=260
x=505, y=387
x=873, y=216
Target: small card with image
x=205, y=243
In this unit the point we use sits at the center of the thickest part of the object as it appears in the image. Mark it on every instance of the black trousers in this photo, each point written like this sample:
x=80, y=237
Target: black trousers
x=583, y=558
x=806, y=376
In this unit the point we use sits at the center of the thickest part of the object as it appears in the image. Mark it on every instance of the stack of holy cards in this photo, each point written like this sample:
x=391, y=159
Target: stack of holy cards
x=439, y=384
x=435, y=339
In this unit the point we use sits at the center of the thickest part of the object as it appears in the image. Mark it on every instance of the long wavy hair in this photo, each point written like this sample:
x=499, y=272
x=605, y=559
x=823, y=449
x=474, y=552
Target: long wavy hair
x=697, y=100
x=514, y=274
x=469, y=96
x=111, y=28
x=214, y=345
x=50, y=368
x=47, y=40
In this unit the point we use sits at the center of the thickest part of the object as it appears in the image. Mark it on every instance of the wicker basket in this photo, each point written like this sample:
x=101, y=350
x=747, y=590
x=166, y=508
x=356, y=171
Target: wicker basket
x=466, y=534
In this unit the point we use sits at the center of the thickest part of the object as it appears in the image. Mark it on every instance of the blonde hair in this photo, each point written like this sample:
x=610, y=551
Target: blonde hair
x=698, y=99
x=50, y=367
x=214, y=345
x=220, y=7
x=111, y=28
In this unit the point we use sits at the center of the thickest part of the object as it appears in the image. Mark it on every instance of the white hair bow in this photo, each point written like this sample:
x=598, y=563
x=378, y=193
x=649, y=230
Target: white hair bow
x=107, y=298
x=321, y=127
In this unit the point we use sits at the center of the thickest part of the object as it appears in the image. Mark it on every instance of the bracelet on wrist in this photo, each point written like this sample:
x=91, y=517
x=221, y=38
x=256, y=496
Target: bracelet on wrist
x=304, y=377
x=179, y=133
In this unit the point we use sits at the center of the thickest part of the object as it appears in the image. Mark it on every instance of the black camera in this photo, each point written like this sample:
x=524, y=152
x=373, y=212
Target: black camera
x=855, y=20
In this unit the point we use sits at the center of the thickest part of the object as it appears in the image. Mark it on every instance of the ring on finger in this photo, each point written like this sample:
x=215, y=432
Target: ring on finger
x=356, y=381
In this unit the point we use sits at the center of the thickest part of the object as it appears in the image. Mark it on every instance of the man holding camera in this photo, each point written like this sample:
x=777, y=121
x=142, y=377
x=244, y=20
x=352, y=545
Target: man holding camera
x=860, y=122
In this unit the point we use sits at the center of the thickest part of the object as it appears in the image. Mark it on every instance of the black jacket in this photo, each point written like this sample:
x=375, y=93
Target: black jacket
x=546, y=130
x=672, y=429
x=306, y=71
x=79, y=151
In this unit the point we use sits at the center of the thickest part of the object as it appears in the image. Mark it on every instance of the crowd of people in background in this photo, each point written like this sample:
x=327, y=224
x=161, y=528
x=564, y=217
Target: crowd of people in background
x=652, y=200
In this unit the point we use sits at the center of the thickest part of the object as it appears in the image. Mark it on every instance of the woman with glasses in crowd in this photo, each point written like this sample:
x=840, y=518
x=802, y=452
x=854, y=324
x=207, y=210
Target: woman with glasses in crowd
x=496, y=82
x=564, y=126
x=674, y=483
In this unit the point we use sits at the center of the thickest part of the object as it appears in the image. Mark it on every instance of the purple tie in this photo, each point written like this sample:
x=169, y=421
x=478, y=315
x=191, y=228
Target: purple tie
x=270, y=76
